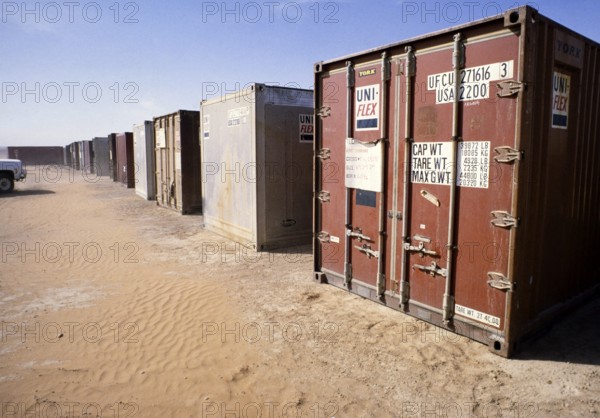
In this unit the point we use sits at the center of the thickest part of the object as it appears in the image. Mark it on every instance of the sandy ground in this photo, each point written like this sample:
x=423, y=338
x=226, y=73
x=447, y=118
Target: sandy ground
x=111, y=306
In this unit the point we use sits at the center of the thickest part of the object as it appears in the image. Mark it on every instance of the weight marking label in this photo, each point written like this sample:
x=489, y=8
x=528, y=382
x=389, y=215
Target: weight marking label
x=474, y=82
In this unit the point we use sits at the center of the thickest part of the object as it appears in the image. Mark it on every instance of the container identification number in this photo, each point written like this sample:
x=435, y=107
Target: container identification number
x=474, y=82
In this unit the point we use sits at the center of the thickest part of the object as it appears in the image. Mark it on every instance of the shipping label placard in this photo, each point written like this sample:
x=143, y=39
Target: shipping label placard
x=473, y=164
x=306, y=128
x=474, y=82
x=561, y=86
x=431, y=163
x=206, y=126
x=366, y=108
x=237, y=116
x=477, y=316
x=364, y=163
x=161, y=141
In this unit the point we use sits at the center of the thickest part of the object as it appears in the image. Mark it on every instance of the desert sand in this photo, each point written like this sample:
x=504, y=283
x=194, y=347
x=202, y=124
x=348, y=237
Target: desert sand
x=112, y=306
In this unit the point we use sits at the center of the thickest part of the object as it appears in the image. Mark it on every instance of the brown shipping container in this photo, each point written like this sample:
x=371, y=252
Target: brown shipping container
x=124, y=160
x=177, y=143
x=87, y=164
x=112, y=156
x=456, y=175
x=37, y=155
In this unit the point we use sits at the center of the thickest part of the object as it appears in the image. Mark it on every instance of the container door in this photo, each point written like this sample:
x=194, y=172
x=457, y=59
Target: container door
x=460, y=191
x=177, y=157
x=354, y=141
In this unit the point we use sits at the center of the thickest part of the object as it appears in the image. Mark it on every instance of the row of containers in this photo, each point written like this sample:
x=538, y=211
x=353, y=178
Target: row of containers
x=253, y=182
x=455, y=174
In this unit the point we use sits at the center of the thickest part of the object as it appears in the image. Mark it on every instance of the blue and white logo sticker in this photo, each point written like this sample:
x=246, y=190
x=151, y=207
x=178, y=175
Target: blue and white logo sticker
x=366, y=108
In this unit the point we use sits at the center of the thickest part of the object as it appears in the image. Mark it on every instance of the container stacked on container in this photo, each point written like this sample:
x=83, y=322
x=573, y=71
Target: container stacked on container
x=177, y=161
x=257, y=166
x=456, y=175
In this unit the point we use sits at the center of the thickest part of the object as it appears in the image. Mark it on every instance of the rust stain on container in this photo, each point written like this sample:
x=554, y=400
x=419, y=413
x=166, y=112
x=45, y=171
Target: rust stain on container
x=124, y=160
x=177, y=153
x=459, y=169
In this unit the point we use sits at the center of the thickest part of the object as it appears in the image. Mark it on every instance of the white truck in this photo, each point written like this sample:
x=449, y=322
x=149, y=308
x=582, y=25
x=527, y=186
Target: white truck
x=11, y=171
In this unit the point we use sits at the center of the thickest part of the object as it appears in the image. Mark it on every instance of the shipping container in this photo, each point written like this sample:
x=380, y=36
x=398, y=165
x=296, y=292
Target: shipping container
x=33, y=155
x=75, y=156
x=87, y=157
x=124, y=160
x=257, y=166
x=145, y=168
x=68, y=155
x=456, y=175
x=112, y=155
x=101, y=156
x=177, y=161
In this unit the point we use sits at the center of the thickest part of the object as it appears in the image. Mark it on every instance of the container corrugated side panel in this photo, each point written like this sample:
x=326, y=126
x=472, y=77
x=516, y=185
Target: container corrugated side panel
x=33, y=155
x=559, y=195
x=228, y=159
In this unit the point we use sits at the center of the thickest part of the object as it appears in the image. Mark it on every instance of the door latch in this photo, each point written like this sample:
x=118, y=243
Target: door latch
x=357, y=233
x=500, y=281
x=420, y=249
x=366, y=248
x=503, y=219
x=432, y=270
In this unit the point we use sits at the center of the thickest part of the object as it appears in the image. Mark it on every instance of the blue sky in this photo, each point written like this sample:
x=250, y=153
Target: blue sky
x=73, y=70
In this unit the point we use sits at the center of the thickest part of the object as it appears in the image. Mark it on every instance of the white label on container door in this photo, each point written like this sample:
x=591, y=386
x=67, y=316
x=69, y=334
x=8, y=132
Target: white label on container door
x=364, y=164
x=561, y=86
x=335, y=240
x=473, y=164
x=178, y=161
x=431, y=163
x=160, y=138
x=366, y=108
x=206, y=127
x=237, y=116
x=306, y=128
x=474, y=82
x=477, y=316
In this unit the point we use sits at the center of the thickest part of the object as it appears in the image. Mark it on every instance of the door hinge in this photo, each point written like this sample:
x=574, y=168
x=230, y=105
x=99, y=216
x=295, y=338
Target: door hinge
x=509, y=88
x=349, y=74
x=503, y=219
x=357, y=233
x=324, y=196
x=432, y=270
x=385, y=67
x=411, y=62
x=324, y=237
x=507, y=154
x=324, y=153
x=500, y=281
x=324, y=112
x=366, y=249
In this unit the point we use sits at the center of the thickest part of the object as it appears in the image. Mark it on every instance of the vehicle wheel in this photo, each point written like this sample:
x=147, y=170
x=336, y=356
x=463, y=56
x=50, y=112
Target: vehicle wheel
x=7, y=184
